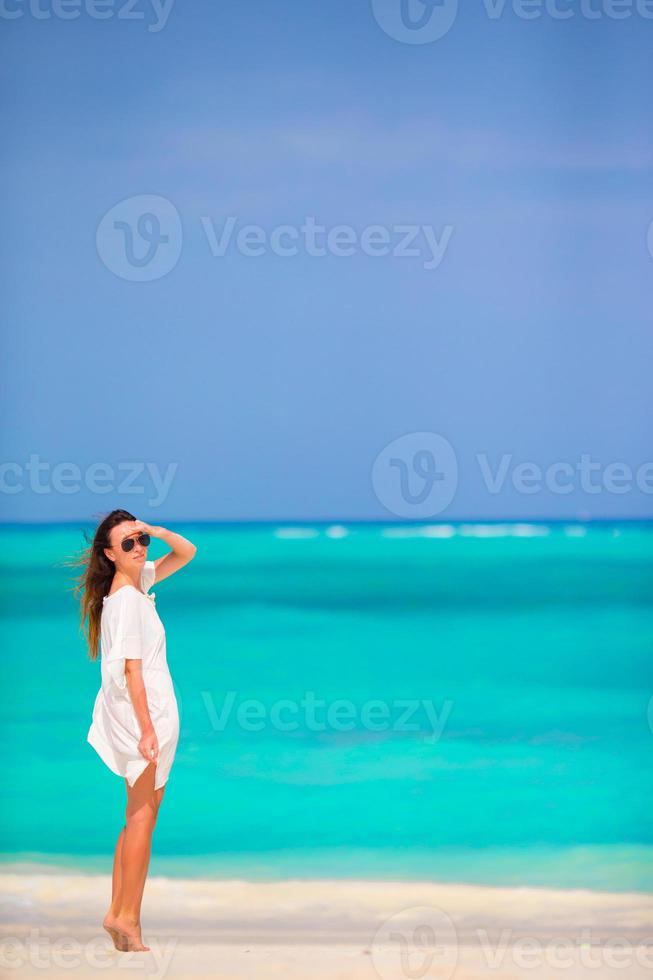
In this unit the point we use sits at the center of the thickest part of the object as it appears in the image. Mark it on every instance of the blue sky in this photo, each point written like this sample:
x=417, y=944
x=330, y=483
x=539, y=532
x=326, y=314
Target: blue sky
x=297, y=386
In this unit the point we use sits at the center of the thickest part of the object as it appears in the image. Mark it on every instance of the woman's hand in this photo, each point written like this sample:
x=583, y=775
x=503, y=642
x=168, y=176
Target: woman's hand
x=149, y=745
x=152, y=529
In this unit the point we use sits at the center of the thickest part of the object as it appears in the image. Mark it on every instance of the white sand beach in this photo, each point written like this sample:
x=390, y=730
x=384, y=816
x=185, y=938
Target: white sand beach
x=340, y=929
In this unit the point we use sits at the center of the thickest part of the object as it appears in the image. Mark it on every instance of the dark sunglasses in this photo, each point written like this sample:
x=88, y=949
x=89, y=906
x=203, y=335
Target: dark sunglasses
x=128, y=543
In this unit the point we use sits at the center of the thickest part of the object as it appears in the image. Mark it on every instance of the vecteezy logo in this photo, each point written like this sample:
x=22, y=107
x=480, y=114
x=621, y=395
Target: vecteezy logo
x=416, y=475
x=140, y=238
x=416, y=943
x=649, y=239
x=415, y=21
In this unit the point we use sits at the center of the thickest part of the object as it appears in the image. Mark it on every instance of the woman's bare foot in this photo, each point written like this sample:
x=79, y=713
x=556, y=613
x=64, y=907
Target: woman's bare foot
x=109, y=924
x=125, y=933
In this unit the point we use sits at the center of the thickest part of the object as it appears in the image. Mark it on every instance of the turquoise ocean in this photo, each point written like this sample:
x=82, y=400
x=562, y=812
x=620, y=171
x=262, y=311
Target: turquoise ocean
x=463, y=702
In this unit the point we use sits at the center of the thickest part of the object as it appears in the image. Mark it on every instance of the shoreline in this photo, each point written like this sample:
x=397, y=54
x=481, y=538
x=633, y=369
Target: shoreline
x=620, y=869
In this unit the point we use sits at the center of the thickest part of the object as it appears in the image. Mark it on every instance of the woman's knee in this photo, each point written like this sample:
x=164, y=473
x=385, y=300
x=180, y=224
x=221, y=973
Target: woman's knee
x=143, y=816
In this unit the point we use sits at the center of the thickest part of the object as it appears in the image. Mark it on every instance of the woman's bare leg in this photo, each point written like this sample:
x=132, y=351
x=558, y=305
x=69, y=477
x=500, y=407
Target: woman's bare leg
x=116, y=880
x=131, y=862
x=116, y=888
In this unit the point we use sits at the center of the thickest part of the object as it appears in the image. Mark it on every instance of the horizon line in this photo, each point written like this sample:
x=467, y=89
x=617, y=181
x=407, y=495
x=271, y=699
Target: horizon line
x=329, y=522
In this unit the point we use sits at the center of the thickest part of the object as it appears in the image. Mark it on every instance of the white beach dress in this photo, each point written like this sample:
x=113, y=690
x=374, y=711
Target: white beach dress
x=131, y=628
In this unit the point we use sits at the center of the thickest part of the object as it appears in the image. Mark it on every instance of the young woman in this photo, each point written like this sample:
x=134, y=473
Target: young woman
x=135, y=726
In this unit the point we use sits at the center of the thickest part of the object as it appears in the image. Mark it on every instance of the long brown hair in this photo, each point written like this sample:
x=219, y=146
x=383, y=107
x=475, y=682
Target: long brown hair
x=96, y=578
